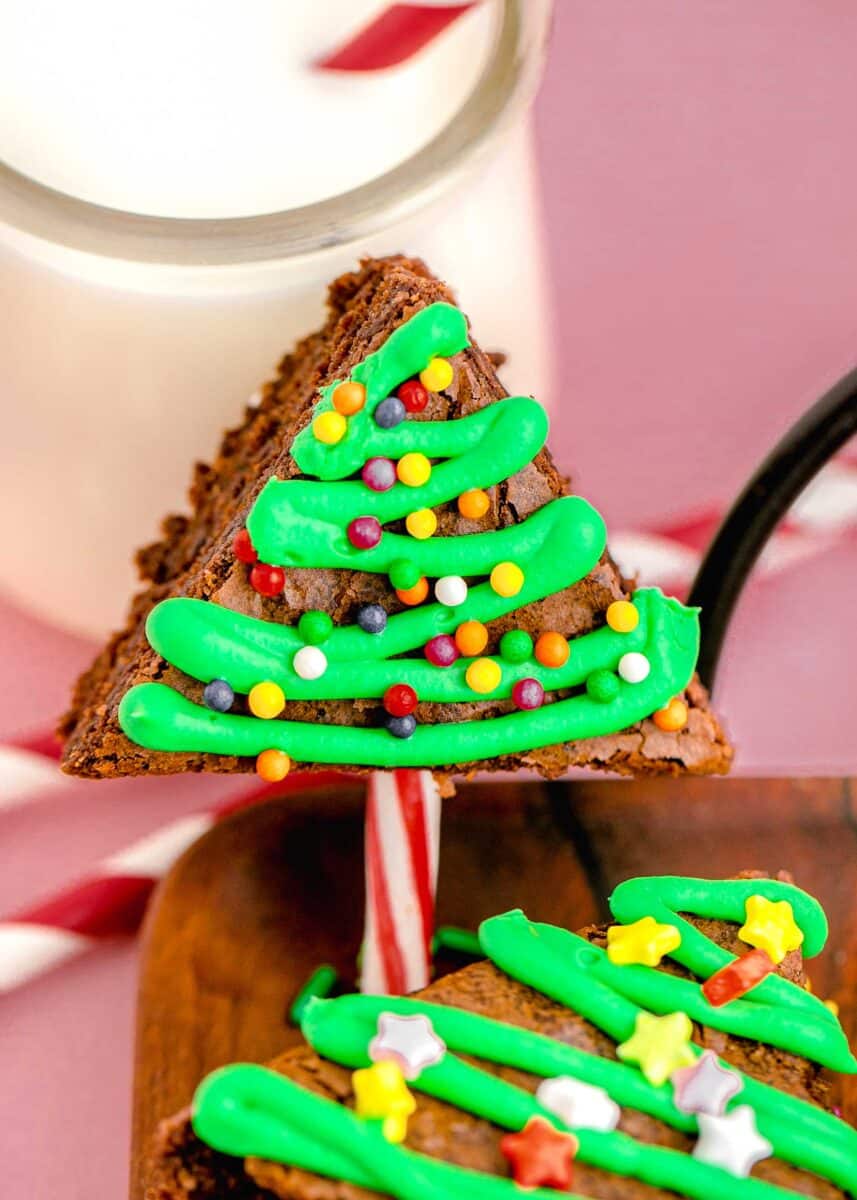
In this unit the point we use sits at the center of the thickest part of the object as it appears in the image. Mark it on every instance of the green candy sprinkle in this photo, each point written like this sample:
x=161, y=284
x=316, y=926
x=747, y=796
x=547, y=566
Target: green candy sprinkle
x=315, y=627
x=602, y=686
x=404, y=574
x=516, y=646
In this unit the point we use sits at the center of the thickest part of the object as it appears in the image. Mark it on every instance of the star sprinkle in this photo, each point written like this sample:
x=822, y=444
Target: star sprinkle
x=659, y=1045
x=381, y=1094
x=770, y=926
x=644, y=942
x=706, y=1087
x=578, y=1104
x=410, y=1042
x=540, y=1156
x=732, y=1142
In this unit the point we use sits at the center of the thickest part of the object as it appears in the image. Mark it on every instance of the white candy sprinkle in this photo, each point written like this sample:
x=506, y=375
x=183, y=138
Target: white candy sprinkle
x=310, y=662
x=634, y=667
x=451, y=590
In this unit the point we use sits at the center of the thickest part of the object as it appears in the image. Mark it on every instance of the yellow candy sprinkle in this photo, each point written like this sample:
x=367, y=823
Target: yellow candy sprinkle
x=659, y=1045
x=421, y=524
x=437, y=375
x=273, y=766
x=413, y=469
x=266, y=700
x=483, y=675
x=832, y=1005
x=507, y=579
x=330, y=427
x=645, y=941
x=381, y=1094
x=770, y=926
x=623, y=616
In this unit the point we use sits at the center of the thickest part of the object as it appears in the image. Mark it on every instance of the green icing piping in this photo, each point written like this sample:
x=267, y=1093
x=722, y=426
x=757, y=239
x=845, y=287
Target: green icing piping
x=301, y=523
x=249, y=1110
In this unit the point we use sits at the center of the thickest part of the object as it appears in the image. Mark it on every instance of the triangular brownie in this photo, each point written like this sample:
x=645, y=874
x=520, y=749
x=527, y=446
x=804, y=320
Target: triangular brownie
x=677, y=1052
x=386, y=549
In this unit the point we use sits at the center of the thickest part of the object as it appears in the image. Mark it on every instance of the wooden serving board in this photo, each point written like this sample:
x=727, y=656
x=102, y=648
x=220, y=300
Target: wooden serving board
x=267, y=895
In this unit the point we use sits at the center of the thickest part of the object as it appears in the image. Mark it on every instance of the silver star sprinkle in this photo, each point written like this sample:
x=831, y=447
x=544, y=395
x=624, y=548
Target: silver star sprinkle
x=577, y=1104
x=732, y=1142
x=411, y=1042
x=706, y=1087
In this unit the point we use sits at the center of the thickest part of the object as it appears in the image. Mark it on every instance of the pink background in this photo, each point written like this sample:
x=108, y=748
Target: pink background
x=699, y=182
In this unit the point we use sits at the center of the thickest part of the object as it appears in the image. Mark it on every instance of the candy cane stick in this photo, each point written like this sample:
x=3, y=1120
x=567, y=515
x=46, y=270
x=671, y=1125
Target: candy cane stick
x=402, y=834
x=398, y=33
x=111, y=901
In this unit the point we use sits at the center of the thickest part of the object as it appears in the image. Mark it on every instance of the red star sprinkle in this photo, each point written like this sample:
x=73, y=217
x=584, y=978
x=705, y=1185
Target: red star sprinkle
x=540, y=1155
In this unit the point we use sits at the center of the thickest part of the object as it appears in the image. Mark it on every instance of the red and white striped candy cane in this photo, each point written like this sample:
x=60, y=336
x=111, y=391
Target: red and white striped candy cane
x=396, y=34
x=402, y=836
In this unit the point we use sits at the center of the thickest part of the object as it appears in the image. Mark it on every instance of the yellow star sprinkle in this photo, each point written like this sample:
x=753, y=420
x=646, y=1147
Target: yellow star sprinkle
x=382, y=1095
x=643, y=942
x=770, y=926
x=659, y=1045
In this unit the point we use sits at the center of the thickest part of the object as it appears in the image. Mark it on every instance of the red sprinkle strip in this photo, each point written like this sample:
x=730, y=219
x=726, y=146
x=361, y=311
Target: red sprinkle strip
x=737, y=977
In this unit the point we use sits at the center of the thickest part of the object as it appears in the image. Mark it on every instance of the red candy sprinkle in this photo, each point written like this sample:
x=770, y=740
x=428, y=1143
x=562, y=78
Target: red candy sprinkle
x=400, y=700
x=242, y=548
x=413, y=395
x=528, y=694
x=737, y=977
x=442, y=651
x=364, y=532
x=267, y=580
x=540, y=1155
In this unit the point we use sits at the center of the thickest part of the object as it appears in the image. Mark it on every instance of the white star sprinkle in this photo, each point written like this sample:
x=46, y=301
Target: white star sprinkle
x=409, y=1041
x=706, y=1087
x=732, y=1142
x=577, y=1104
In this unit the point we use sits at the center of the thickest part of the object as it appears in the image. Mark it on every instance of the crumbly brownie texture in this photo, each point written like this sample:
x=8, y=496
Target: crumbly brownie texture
x=182, y=1168
x=194, y=558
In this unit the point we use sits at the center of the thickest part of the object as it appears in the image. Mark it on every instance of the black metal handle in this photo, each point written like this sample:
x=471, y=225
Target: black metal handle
x=760, y=507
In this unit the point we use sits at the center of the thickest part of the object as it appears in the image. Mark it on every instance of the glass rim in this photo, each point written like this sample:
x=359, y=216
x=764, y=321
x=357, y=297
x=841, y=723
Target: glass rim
x=507, y=83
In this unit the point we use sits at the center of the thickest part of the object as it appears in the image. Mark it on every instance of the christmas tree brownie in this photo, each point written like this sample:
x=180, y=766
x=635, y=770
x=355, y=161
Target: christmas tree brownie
x=382, y=569
x=676, y=1052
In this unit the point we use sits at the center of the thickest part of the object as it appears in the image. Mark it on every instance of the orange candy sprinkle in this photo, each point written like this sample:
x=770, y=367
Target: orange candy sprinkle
x=474, y=504
x=273, y=766
x=349, y=398
x=552, y=650
x=471, y=638
x=673, y=717
x=414, y=595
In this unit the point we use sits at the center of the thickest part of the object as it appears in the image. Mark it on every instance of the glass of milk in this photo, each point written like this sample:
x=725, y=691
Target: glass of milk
x=178, y=184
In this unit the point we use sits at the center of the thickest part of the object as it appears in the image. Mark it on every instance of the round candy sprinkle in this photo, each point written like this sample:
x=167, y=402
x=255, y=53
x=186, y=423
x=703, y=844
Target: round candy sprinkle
x=623, y=616
x=450, y=590
x=414, y=595
x=413, y=395
x=471, y=638
x=266, y=700
x=379, y=474
x=390, y=412
x=528, y=694
x=633, y=667
x=602, y=686
x=329, y=427
x=372, y=618
x=437, y=375
x=441, y=651
x=516, y=646
x=349, y=398
x=315, y=627
x=672, y=718
x=483, y=675
x=267, y=580
x=507, y=579
x=242, y=548
x=421, y=524
x=400, y=699
x=401, y=727
x=413, y=469
x=474, y=504
x=364, y=532
x=552, y=650
x=218, y=695
x=273, y=766
x=309, y=662
x=404, y=574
